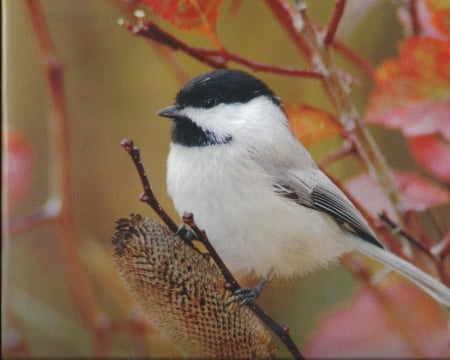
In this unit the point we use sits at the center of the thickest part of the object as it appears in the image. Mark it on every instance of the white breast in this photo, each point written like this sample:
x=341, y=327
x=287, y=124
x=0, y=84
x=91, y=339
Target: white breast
x=252, y=228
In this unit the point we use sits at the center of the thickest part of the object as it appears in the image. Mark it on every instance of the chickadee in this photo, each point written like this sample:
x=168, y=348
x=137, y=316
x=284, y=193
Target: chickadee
x=265, y=205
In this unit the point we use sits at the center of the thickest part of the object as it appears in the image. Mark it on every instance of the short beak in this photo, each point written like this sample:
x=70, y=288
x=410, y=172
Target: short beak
x=169, y=112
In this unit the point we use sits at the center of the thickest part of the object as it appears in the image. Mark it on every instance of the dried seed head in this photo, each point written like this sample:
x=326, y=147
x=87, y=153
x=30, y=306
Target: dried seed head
x=184, y=294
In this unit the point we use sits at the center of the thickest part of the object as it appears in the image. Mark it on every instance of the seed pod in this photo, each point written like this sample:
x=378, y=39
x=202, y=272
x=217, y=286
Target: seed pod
x=183, y=294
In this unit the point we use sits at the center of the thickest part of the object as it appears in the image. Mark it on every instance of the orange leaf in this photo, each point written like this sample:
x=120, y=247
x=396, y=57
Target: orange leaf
x=412, y=91
x=199, y=15
x=362, y=329
x=309, y=124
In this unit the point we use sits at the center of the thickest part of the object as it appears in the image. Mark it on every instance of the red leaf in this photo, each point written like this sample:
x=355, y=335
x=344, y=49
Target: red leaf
x=362, y=328
x=412, y=91
x=199, y=15
x=309, y=124
x=18, y=166
x=432, y=153
x=412, y=94
x=434, y=18
x=419, y=193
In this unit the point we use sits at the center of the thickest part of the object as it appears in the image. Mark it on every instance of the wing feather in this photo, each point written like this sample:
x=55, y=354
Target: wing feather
x=321, y=194
x=335, y=203
x=301, y=181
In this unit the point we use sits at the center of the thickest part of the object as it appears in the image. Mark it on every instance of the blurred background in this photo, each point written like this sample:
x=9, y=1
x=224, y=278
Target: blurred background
x=114, y=85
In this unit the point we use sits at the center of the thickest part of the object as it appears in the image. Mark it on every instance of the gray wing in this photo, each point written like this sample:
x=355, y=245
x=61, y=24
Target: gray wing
x=317, y=192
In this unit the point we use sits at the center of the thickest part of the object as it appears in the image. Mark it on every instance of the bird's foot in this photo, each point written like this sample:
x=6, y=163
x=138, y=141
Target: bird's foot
x=186, y=233
x=247, y=296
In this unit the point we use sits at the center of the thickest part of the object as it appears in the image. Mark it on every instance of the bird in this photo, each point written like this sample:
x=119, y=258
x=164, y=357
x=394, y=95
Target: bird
x=266, y=206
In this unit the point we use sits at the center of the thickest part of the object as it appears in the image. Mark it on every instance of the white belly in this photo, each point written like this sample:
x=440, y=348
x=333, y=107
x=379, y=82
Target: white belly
x=253, y=229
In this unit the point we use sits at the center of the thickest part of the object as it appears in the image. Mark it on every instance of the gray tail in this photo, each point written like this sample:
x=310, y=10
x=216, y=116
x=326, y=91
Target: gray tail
x=427, y=283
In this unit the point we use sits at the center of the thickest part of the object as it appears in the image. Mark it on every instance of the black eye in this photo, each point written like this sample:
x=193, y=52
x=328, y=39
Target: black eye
x=210, y=102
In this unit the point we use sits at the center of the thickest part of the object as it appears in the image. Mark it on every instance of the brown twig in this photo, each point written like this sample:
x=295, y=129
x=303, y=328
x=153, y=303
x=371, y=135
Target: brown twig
x=345, y=150
x=355, y=59
x=349, y=54
x=281, y=331
x=415, y=24
x=398, y=230
x=334, y=22
x=232, y=284
x=442, y=254
x=214, y=58
x=445, y=248
x=436, y=259
x=148, y=196
x=63, y=216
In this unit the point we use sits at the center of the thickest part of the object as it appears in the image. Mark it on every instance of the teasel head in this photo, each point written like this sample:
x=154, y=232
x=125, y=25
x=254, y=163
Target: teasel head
x=184, y=295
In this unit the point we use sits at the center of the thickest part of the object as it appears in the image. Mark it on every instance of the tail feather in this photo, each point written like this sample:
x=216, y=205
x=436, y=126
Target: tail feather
x=427, y=283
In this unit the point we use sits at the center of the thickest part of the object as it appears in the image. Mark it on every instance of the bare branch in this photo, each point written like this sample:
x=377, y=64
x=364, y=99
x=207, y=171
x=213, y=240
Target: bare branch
x=68, y=241
x=148, y=196
x=350, y=55
x=396, y=229
x=334, y=21
x=214, y=58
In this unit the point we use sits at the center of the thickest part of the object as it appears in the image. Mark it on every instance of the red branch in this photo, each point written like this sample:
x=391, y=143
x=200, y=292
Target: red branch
x=415, y=24
x=63, y=217
x=214, y=58
x=334, y=22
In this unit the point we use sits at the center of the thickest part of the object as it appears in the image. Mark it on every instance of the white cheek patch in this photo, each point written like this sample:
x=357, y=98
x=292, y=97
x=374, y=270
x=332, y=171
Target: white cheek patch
x=226, y=119
x=218, y=120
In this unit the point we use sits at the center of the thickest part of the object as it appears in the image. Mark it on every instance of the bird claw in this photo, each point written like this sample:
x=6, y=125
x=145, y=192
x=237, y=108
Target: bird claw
x=247, y=296
x=186, y=233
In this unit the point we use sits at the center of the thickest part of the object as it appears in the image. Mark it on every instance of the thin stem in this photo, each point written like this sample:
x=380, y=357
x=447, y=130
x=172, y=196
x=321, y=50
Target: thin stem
x=445, y=248
x=350, y=55
x=334, y=22
x=214, y=58
x=394, y=227
x=282, y=331
x=233, y=285
x=415, y=24
x=148, y=196
x=345, y=150
x=283, y=70
x=68, y=241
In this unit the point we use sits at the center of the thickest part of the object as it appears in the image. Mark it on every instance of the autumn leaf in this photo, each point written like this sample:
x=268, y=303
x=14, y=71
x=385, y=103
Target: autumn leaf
x=18, y=164
x=411, y=87
x=433, y=153
x=434, y=18
x=198, y=15
x=309, y=124
x=362, y=329
x=412, y=94
x=419, y=193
